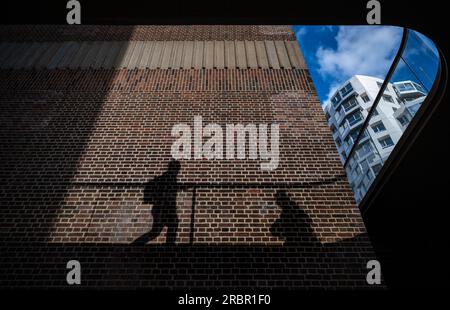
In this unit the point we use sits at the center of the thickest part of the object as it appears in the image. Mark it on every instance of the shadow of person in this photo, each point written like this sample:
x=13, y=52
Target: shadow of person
x=162, y=193
x=293, y=226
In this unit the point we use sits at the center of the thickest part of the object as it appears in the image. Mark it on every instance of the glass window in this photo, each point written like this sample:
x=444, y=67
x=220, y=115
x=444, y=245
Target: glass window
x=403, y=120
x=364, y=149
x=411, y=80
x=338, y=114
x=388, y=98
x=349, y=104
x=365, y=98
x=386, y=142
x=378, y=127
x=354, y=135
x=354, y=118
x=408, y=86
x=419, y=87
x=413, y=109
x=336, y=99
x=346, y=89
x=376, y=168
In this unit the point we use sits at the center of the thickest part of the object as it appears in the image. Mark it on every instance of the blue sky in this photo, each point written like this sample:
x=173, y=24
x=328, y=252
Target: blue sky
x=336, y=53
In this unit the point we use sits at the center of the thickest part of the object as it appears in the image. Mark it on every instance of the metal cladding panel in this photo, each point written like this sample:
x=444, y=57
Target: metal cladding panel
x=283, y=57
x=251, y=54
x=272, y=55
x=241, y=58
x=177, y=55
x=152, y=55
x=230, y=55
x=188, y=54
x=156, y=55
x=219, y=54
x=198, y=54
x=261, y=55
x=166, y=54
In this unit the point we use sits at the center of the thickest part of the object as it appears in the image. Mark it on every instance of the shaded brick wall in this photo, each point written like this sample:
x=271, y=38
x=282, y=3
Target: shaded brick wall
x=144, y=33
x=80, y=148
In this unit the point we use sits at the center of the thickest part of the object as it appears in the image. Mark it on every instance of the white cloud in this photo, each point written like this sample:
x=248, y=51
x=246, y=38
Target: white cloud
x=365, y=50
x=333, y=88
x=301, y=31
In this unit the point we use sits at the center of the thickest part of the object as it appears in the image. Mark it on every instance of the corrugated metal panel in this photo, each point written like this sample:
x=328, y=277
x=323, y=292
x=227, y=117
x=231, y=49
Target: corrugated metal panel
x=118, y=58
x=89, y=60
x=241, y=59
x=33, y=59
x=209, y=55
x=188, y=54
x=198, y=54
x=146, y=54
x=272, y=55
x=4, y=51
x=136, y=56
x=69, y=55
x=177, y=55
x=230, y=55
x=219, y=54
x=25, y=56
x=299, y=54
x=261, y=55
x=7, y=52
x=156, y=56
x=47, y=56
x=111, y=55
x=18, y=51
x=62, y=50
x=251, y=54
x=77, y=60
x=10, y=55
x=128, y=53
x=283, y=57
x=291, y=53
x=152, y=54
x=167, y=54
x=100, y=59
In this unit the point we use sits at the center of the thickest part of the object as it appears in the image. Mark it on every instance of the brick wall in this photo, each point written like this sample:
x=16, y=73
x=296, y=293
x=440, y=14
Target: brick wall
x=80, y=149
x=144, y=33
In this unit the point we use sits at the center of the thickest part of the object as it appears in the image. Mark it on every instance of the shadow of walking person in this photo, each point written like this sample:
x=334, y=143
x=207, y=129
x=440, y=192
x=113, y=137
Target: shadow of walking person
x=293, y=226
x=162, y=193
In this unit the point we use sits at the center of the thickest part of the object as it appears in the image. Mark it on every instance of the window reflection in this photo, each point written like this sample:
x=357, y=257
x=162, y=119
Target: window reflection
x=401, y=100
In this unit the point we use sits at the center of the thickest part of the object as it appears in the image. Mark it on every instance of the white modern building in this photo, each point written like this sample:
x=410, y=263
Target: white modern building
x=346, y=112
x=412, y=96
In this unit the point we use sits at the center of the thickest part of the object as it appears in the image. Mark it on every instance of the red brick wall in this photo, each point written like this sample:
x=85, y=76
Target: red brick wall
x=78, y=148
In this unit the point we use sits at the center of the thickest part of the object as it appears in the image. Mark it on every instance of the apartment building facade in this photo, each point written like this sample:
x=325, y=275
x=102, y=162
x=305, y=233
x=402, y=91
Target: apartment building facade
x=346, y=113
